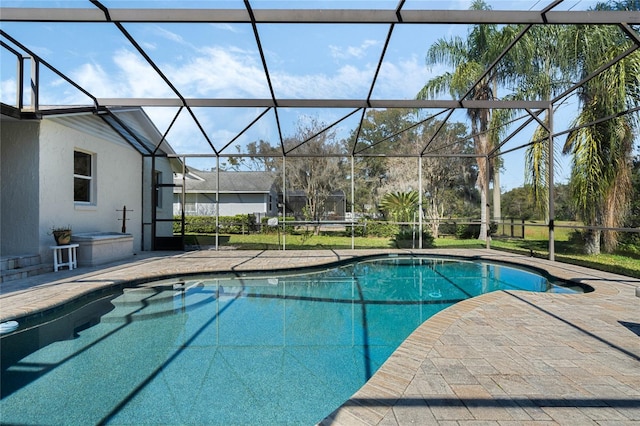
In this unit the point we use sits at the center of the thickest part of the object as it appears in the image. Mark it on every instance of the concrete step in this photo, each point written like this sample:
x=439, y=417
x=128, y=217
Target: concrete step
x=19, y=261
x=22, y=266
x=26, y=272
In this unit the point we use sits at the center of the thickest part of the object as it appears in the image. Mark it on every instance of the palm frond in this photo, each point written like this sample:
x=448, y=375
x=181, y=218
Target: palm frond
x=400, y=206
x=436, y=86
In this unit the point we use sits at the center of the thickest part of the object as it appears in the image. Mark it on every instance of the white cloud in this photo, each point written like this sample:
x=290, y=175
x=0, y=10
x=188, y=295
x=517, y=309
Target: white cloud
x=140, y=78
x=8, y=91
x=226, y=27
x=132, y=77
x=171, y=36
x=403, y=79
x=221, y=73
x=348, y=81
x=400, y=80
x=148, y=46
x=230, y=72
x=339, y=52
x=92, y=77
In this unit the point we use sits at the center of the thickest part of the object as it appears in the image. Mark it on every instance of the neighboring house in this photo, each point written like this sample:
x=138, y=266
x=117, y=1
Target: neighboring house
x=245, y=193
x=240, y=193
x=80, y=168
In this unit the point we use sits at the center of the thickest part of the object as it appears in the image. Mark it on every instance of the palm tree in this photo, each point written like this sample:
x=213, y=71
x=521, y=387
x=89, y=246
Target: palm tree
x=541, y=73
x=400, y=206
x=469, y=59
x=601, y=174
x=600, y=179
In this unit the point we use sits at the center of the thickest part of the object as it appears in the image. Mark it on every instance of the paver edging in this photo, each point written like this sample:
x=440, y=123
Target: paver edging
x=422, y=339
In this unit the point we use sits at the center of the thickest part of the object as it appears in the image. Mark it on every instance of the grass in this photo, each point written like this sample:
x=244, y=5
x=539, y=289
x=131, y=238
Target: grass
x=293, y=242
x=535, y=244
x=620, y=263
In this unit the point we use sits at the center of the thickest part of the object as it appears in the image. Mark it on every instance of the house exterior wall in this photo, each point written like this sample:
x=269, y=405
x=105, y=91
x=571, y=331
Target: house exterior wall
x=233, y=204
x=204, y=204
x=19, y=180
x=118, y=178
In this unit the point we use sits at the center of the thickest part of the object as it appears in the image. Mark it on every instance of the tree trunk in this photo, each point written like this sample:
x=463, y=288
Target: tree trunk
x=483, y=215
x=592, y=242
x=497, y=208
x=434, y=215
x=481, y=142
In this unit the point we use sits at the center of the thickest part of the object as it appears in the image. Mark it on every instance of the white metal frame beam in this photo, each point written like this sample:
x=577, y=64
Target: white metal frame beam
x=318, y=16
x=319, y=103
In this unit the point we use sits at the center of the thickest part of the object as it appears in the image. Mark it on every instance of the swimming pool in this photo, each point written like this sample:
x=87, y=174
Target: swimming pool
x=254, y=349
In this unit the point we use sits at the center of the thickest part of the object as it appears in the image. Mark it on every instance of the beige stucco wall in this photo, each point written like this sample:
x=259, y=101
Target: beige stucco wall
x=118, y=177
x=19, y=211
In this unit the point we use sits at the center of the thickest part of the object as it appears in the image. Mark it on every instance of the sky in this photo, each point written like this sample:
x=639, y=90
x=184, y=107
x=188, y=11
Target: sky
x=328, y=61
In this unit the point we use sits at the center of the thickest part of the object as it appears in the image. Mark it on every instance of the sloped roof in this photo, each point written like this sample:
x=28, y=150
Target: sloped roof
x=130, y=127
x=230, y=182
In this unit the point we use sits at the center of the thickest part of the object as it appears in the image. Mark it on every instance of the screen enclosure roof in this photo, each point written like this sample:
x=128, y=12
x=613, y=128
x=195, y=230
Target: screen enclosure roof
x=214, y=76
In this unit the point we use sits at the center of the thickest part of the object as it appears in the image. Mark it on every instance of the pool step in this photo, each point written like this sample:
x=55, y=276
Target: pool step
x=22, y=266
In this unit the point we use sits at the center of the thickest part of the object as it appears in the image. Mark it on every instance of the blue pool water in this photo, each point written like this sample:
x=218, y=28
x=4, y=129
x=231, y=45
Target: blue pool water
x=285, y=349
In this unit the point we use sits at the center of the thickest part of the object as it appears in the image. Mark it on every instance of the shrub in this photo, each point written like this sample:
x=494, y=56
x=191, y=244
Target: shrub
x=404, y=238
x=576, y=237
x=366, y=228
x=629, y=242
x=238, y=224
x=467, y=231
x=448, y=228
x=471, y=231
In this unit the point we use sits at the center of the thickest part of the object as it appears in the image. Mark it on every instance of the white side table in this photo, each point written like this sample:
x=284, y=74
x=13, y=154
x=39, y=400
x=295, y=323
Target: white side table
x=58, y=256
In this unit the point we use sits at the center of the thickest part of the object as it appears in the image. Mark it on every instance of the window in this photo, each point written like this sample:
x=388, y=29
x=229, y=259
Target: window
x=83, y=170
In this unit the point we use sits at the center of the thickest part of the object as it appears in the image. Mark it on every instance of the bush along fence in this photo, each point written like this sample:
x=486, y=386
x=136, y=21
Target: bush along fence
x=247, y=224
x=238, y=224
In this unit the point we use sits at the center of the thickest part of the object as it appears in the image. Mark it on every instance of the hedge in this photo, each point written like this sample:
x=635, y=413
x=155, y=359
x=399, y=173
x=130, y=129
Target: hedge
x=238, y=224
x=370, y=228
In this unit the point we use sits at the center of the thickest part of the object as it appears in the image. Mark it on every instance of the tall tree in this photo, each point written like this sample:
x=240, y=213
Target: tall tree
x=549, y=59
x=262, y=157
x=470, y=58
x=601, y=173
x=442, y=176
x=313, y=166
x=383, y=132
x=541, y=69
x=403, y=132
x=447, y=178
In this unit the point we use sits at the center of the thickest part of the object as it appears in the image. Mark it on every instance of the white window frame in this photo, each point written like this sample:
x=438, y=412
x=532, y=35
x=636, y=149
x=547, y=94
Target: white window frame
x=91, y=178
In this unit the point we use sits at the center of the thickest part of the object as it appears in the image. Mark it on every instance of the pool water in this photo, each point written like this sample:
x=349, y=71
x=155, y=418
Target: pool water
x=259, y=349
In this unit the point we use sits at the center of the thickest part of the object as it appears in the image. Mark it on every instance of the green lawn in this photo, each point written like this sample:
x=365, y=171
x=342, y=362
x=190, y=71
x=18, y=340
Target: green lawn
x=535, y=244
x=293, y=242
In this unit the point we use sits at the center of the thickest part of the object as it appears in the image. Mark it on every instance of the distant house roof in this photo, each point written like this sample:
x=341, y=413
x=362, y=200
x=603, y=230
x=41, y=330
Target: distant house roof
x=230, y=182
